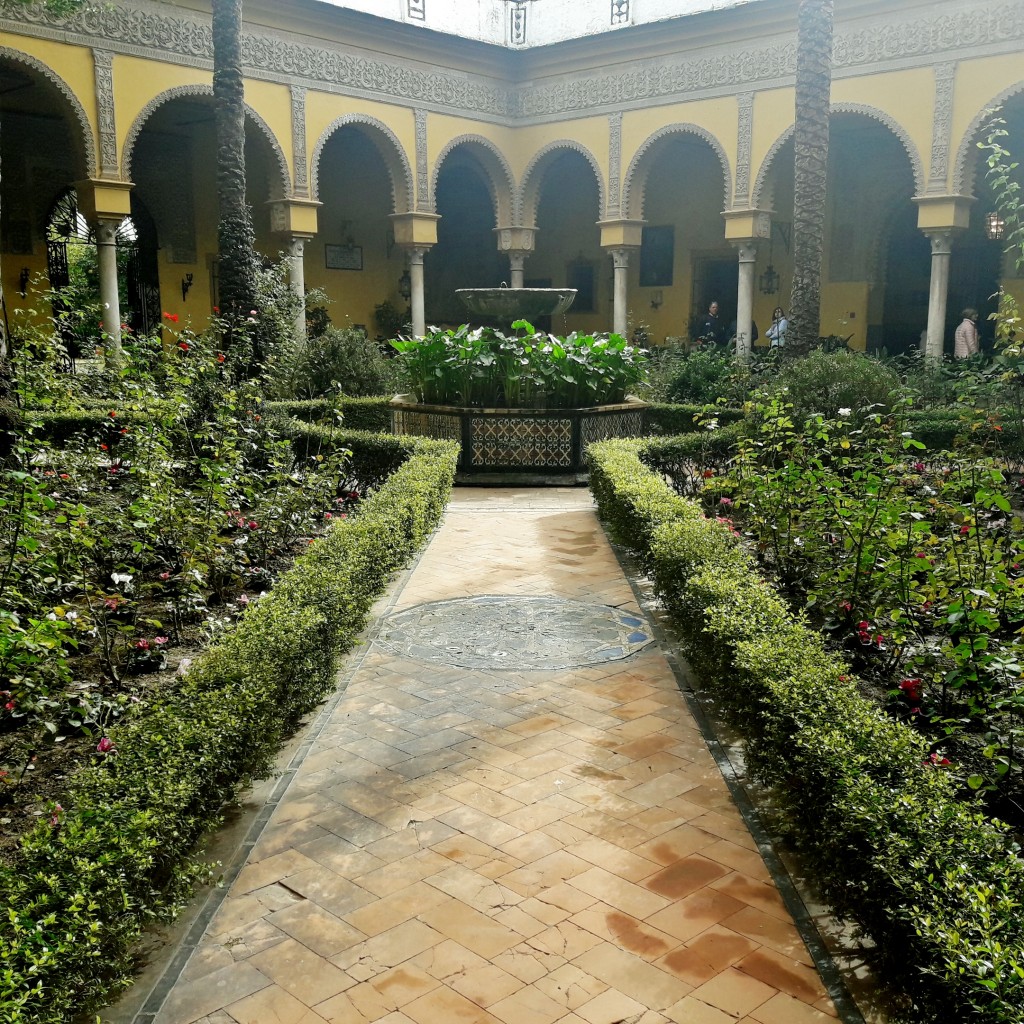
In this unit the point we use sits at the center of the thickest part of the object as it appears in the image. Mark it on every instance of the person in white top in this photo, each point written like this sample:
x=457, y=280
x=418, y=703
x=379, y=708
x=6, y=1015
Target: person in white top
x=777, y=332
x=965, y=340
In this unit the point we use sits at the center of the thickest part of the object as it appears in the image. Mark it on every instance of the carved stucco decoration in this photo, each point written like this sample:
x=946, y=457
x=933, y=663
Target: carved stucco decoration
x=758, y=198
x=299, y=140
x=635, y=183
x=614, y=164
x=280, y=184
x=387, y=144
x=422, y=162
x=528, y=194
x=103, y=65
x=146, y=26
x=492, y=162
x=967, y=154
x=744, y=144
x=942, y=118
x=85, y=140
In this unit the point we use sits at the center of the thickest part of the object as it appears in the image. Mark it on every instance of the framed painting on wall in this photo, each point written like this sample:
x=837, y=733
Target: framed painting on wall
x=657, y=251
x=344, y=257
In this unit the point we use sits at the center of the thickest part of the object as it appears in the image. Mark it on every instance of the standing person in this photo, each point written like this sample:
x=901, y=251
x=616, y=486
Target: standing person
x=709, y=327
x=965, y=340
x=777, y=332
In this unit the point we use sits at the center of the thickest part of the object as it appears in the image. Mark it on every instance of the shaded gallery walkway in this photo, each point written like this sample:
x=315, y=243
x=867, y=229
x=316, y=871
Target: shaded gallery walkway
x=472, y=842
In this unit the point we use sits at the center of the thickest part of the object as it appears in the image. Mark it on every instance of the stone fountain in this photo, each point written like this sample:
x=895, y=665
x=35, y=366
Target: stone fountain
x=509, y=304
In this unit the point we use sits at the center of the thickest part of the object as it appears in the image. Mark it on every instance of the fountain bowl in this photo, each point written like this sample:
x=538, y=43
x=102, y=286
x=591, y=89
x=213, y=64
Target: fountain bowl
x=516, y=303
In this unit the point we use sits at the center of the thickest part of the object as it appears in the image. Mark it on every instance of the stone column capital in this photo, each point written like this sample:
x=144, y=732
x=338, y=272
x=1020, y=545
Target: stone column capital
x=941, y=240
x=746, y=249
x=620, y=256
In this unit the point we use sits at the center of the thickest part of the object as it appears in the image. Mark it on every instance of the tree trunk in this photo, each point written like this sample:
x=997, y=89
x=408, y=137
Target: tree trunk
x=810, y=164
x=235, y=235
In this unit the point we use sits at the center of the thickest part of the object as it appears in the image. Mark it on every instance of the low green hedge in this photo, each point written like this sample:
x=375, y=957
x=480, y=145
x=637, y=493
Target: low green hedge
x=935, y=883
x=368, y=414
x=664, y=418
x=86, y=882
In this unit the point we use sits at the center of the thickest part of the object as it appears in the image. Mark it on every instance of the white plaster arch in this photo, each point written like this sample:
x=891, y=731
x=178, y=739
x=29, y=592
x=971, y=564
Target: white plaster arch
x=86, y=136
x=865, y=110
x=634, y=185
x=387, y=144
x=497, y=172
x=281, y=186
x=964, y=168
x=528, y=194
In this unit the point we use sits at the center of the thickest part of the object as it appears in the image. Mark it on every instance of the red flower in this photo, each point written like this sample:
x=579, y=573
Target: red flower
x=708, y=474
x=165, y=575
x=105, y=745
x=104, y=448
x=142, y=645
x=183, y=345
x=173, y=317
x=220, y=357
x=253, y=525
x=912, y=690
x=919, y=466
x=216, y=309
x=64, y=476
x=327, y=515
x=964, y=530
x=113, y=414
x=9, y=705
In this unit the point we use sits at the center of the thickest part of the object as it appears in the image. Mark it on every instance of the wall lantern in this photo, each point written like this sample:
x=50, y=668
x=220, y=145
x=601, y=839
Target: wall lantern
x=995, y=226
x=405, y=285
x=23, y=281
x=769, y=280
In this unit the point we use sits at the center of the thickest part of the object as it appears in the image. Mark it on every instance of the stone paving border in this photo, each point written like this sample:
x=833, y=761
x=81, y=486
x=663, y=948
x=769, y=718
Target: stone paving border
x=258, y=1007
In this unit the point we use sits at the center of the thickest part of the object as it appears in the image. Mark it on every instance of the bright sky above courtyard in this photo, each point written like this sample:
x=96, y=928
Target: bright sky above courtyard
x=547, y=21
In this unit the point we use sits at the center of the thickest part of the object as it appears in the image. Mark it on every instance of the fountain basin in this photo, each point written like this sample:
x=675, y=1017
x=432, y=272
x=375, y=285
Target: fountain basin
x=516, y=303
x=519, y=446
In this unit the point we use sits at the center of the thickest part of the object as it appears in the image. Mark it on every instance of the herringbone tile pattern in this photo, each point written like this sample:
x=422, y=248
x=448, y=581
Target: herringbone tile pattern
x=515, y=848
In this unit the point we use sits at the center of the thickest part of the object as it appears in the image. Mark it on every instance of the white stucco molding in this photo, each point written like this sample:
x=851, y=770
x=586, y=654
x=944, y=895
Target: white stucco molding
x=387, y=144
x=495, y=167
x=280, y=186
x=634, y=184
x=528, y=194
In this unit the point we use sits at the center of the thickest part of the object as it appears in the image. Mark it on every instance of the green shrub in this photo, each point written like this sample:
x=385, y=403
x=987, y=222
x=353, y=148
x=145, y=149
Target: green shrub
x=703, y=377
x=825, y=382
x=665, y=418
x=935, y=884
x=341, y=359
x=116, y=856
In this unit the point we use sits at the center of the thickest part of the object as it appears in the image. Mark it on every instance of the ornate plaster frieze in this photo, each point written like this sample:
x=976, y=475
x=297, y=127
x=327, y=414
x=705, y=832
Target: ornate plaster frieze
x=390, y=149
x=614, y=164
x=280, y=188
x=103, y=63
x=967, y=152
x=500, y=179
x=85, y=143
x=422, y=163
x=942, y=118
x=634, y=186
x=146, y=28
x=299, y=141
x=744, y=143
x=528, y=194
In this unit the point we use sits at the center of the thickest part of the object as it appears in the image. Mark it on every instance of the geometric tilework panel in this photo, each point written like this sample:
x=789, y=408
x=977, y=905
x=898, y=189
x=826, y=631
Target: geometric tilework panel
x=514, y=441
x=426, y=424
x=599, y=428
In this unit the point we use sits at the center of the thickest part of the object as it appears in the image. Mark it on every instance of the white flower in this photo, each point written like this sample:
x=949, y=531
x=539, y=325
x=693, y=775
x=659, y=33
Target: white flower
x=845, y=412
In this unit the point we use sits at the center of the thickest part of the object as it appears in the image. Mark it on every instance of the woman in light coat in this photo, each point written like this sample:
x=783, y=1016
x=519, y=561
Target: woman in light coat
x=965, y=340
x=777, y=331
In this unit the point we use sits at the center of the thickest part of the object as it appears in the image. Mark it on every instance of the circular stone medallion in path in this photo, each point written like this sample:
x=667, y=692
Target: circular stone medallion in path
x=524, y=634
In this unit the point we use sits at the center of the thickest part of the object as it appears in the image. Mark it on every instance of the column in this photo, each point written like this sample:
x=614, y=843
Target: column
x=942, y=247
x=419, y=319
x=516, y=260
x=106, y=246
x=747, y=252
x=297, y=279
x=620, y=307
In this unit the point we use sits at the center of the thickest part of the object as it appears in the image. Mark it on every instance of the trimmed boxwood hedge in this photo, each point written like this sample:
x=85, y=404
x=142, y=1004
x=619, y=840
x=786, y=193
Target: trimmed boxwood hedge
x=935, y=883
x=86, y=882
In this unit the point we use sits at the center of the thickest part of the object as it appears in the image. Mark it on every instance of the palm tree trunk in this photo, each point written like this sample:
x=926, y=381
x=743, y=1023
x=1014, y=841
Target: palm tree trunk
x=810, y=164
x=235, y=235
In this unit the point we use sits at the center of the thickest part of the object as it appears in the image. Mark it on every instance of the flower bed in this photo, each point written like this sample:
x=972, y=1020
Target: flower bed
x=89, y=876
x=935, y=883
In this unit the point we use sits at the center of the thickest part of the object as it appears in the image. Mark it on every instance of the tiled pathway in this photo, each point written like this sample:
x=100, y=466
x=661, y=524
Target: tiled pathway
x=523, y=848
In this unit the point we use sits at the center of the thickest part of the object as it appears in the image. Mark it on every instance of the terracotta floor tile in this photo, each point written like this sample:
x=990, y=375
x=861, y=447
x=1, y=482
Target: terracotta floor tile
x=445, y=1006
x=655, y=988
x=624, y=896
x=189, y=1001
x=310, y=978
x=736, y=993
x=469, y=927
x=272, y=1006
x=610, y=1007
x=707, y=955
x=789, y=976
x=486, y=985
x=514, y=847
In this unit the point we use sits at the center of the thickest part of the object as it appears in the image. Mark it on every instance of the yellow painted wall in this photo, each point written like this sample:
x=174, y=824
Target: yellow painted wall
x=273, y=103
x=773, y=115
